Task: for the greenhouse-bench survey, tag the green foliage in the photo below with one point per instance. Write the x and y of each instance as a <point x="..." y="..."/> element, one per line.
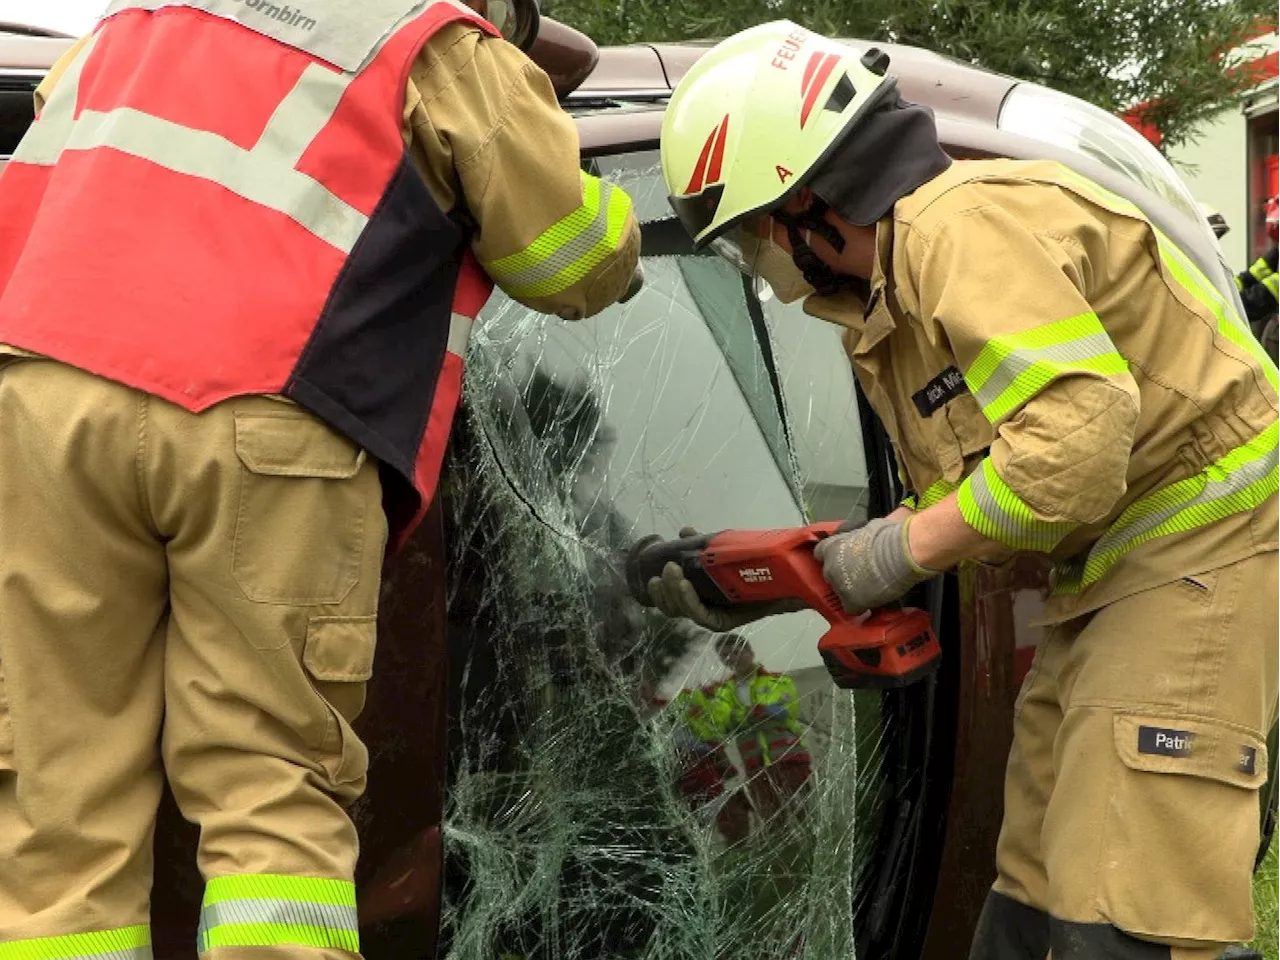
<point x="1114" y="53"/>
<point x="1266" y="892"/>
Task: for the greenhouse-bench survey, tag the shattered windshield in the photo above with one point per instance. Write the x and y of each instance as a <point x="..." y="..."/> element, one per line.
<point x="622" y="785"/>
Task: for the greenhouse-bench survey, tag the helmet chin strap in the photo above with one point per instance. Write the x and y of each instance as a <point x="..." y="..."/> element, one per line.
<point x="817" y="274"/>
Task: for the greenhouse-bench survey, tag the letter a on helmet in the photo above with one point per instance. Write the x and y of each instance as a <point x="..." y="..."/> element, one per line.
<point x="755" y="117"/>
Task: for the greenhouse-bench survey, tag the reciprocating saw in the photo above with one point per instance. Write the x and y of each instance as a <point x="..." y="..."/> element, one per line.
<point x="886" y="648"/>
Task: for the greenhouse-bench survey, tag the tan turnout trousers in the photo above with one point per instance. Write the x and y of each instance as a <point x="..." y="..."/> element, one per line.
<point x="1131" y="812"/>
<point x="201" y="588"/>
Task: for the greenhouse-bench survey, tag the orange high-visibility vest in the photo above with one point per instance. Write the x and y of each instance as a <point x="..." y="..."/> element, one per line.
<point x="217" y="200"/>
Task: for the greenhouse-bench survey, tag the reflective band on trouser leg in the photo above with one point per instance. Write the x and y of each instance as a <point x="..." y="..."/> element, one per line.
<point x="567" y="250"/>
<point x="1012" y="369"/>
<point x="991" y="507"/>
<point x="123" y="943"/>
<point x="1237" y="482"/>
<point x="266" y="910"/>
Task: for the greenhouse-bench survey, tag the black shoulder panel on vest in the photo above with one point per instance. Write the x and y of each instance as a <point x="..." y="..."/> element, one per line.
<point x="373" y="361"/>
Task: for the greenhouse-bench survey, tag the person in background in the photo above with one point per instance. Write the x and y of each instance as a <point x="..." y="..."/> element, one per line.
<point x="1260" y="286"/>
<point x="764" y="717"/>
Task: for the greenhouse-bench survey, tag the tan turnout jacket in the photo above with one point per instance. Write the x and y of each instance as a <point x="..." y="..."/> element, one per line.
<point x="1032" y="342"/>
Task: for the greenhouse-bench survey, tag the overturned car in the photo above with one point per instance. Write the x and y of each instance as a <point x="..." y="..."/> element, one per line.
<point x="559" y="773"/>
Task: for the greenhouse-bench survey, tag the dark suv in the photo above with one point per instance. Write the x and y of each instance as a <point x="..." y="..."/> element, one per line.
<point x="561" y="774"/>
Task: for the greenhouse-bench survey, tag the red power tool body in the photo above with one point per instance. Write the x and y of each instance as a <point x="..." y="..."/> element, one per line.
<point x="886" y="648"/>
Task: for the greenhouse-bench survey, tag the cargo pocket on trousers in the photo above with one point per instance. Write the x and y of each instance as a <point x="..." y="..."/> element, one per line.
<point x="338" y="658"/>
<point x="300" y="525"/>
<point x="1182" y="829"/>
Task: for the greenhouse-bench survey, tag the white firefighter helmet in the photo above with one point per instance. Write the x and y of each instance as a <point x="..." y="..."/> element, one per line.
<point x="754" y="118"/>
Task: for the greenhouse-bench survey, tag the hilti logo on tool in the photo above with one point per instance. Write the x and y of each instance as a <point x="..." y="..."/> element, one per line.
<point x="816" y="72"/>
<point x="755" y="574"/>
<point x="707" y="172"/>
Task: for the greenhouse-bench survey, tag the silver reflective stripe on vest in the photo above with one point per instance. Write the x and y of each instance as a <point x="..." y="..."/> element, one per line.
<point x="46" y="137"/>
<point x="459" y="334"/>
<point x="257" y="175"/>
<point x="302" y="114"/>
<point x="346" y="33"/>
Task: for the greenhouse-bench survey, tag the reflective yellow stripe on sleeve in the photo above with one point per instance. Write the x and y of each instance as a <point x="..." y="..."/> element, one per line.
<point x="936" y="492"/>
<point x="1187" y="275"/>
<point x="569" y="249"/>
<point x="990" y="506"/>
<point x="122" y="943"/>
<point x="1239" y="481"/>
<point x="1012" y="369"/>
<point x="268" y="910"/>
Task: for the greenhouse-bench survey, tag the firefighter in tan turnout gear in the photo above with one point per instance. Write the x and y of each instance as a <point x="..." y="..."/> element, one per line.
<point x="1056" y="376"/>
<point x="242" y="250"/>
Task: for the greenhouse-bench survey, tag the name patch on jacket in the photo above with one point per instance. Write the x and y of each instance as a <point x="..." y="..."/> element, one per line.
<point x="1164" y="742"/>
<point x="1248" y="760"/>
<point x="947" y="385"/>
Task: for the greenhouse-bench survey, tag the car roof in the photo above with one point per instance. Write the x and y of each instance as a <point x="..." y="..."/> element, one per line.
<point x="640" y="72"/>
<point x="27" y="49"/>
<point x="633" y="82"/>
<point x="950" y="87"/>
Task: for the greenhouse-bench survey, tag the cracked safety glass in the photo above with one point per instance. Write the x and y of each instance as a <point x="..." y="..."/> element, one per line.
<point x="623" y="785"/>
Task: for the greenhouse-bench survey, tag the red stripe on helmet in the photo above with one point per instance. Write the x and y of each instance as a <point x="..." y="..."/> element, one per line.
<point x="717" y="155"/>
<point x="814" y="59"/>
<point x="700" y="171"/>
<point x="712" y="157"/>
<point x="811" y="96"/>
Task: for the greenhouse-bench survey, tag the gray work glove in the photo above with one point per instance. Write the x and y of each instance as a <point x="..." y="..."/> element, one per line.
<point x="674" y="595"/>
<point x="871" y="566"/>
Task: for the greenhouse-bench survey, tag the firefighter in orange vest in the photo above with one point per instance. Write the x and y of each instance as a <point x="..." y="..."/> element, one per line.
<point x="243" y="246"/>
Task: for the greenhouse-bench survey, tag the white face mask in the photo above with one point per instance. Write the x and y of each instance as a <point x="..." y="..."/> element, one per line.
<point x="772" y="264"/>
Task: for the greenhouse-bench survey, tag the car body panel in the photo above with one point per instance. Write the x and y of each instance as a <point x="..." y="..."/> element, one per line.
<point x="574" y="438"/>
<point x="949" y="87"/>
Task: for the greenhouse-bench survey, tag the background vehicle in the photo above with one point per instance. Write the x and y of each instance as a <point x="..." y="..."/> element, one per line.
<point x="572" y="829"/>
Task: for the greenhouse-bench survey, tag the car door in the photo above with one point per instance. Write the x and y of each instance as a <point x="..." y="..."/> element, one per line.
<point x="17" y="107"/>
<point x="606" y="788"/>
